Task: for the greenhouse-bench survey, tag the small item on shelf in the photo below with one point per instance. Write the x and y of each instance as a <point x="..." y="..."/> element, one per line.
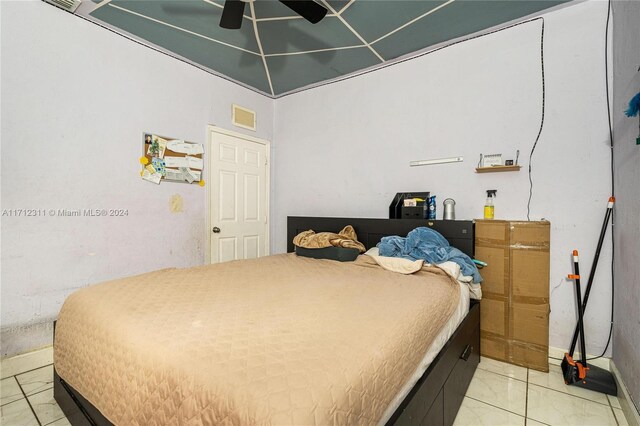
<point x="449" y="211"/>
<point x="495" y="163"/>
<point x="397" y="209"/>
<point x="488" y="205"/>
<point x="414" y="208"/>
<point x="491" y="160"/>
<point x="431" y="215"/>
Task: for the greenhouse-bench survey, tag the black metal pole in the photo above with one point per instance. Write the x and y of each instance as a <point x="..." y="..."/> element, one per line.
<point x="583" y="346"/>
<point x="594" y="265"/>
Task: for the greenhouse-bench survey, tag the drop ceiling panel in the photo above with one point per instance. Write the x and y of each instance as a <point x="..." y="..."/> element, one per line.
<point x="373" y="19"/>
<point x="245" y="67"/>
<point x="290" y="72"/>
<point x="299" y="35"/>
<point x="194" y="15"/>
<point x="457" y="19"/>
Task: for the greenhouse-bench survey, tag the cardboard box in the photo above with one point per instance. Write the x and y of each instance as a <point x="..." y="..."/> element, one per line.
<point x="514" y="322"/>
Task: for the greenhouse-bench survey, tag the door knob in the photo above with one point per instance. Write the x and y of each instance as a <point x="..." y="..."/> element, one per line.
<point x="216" y="230"/>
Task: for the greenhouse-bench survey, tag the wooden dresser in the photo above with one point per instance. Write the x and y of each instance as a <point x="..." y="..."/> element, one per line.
<point x="514" y="321"/>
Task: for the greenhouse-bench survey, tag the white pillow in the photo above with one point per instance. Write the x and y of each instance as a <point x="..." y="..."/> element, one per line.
<point x="373" y="251"/>
<point x="395" y="264"/>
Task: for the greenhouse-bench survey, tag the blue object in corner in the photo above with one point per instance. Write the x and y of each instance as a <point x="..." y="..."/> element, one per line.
<point x="634" y="106"/>
<point x="429" y="245"/>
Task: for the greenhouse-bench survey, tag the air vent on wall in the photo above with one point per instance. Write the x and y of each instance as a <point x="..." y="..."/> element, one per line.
<point x="69" y="5"/>
<point x="244" y="118"/>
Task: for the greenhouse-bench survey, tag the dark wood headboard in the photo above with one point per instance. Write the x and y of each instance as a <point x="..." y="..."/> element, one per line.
<point x="459" y="233"/>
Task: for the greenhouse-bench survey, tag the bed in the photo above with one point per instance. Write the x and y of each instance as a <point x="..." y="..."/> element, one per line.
<point x="137" y="373"/>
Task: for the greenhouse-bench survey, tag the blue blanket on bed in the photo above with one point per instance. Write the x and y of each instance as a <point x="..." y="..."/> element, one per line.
<point x="427" y="244"/>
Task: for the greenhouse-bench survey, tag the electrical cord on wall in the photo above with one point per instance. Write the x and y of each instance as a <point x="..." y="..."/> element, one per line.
<point x="613" y="212"/>
<point x="606" y="74"/>
<point x="533" y="148"/>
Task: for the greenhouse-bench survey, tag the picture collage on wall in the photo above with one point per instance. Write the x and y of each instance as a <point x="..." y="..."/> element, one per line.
<point x="172" y="160"/>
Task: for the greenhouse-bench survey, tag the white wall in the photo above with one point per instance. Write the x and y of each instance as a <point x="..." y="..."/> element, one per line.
<point x="75" y="101"/>
<point x="626" y="78"/>
<point x="344" y="149"/>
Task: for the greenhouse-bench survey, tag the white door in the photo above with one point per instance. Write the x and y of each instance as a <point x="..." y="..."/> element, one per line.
<point x="239" y="197"/>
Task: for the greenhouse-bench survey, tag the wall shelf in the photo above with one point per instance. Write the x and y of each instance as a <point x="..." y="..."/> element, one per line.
<point x="494" y="169"/>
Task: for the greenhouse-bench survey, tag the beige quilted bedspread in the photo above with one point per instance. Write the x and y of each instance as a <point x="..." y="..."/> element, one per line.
<point x="276" y="340"/>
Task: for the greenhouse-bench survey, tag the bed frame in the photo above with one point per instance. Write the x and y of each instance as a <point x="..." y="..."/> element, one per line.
<point x="436" y="397"/>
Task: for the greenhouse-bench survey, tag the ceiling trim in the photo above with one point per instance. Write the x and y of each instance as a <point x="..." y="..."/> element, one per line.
<point x="279" y="18"/>
<point x="346" y="6"/>
<point x="185" y="30"/>
<point x="264" y="59"/>
<point x="102" y="3"/>
<point x="268" y="55"/>
<point x="412" y="21"/>
<point x="346" y="24"/>
<point x="286" y="18"/>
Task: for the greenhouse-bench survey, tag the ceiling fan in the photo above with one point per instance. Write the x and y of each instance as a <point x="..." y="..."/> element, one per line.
<point x="234" y="9"/>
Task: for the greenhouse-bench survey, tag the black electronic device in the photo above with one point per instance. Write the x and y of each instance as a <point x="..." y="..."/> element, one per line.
<point x="397" y="209"/>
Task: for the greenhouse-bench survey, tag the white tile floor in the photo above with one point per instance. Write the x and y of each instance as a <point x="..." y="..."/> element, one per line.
<point x="505" y="394"/>
<point x="26" y="390"/>
<point x="499" y="394"/>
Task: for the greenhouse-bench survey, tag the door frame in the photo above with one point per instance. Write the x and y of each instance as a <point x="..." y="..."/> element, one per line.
<point x="215" y="129"/>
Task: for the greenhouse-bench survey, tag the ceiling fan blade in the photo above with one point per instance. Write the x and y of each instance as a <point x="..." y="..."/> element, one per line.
<point x="308" y="9"/>
<point x="232" y="14"/>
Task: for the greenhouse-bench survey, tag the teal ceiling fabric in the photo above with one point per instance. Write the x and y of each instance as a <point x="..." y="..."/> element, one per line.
<point x="276" y="51"/>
